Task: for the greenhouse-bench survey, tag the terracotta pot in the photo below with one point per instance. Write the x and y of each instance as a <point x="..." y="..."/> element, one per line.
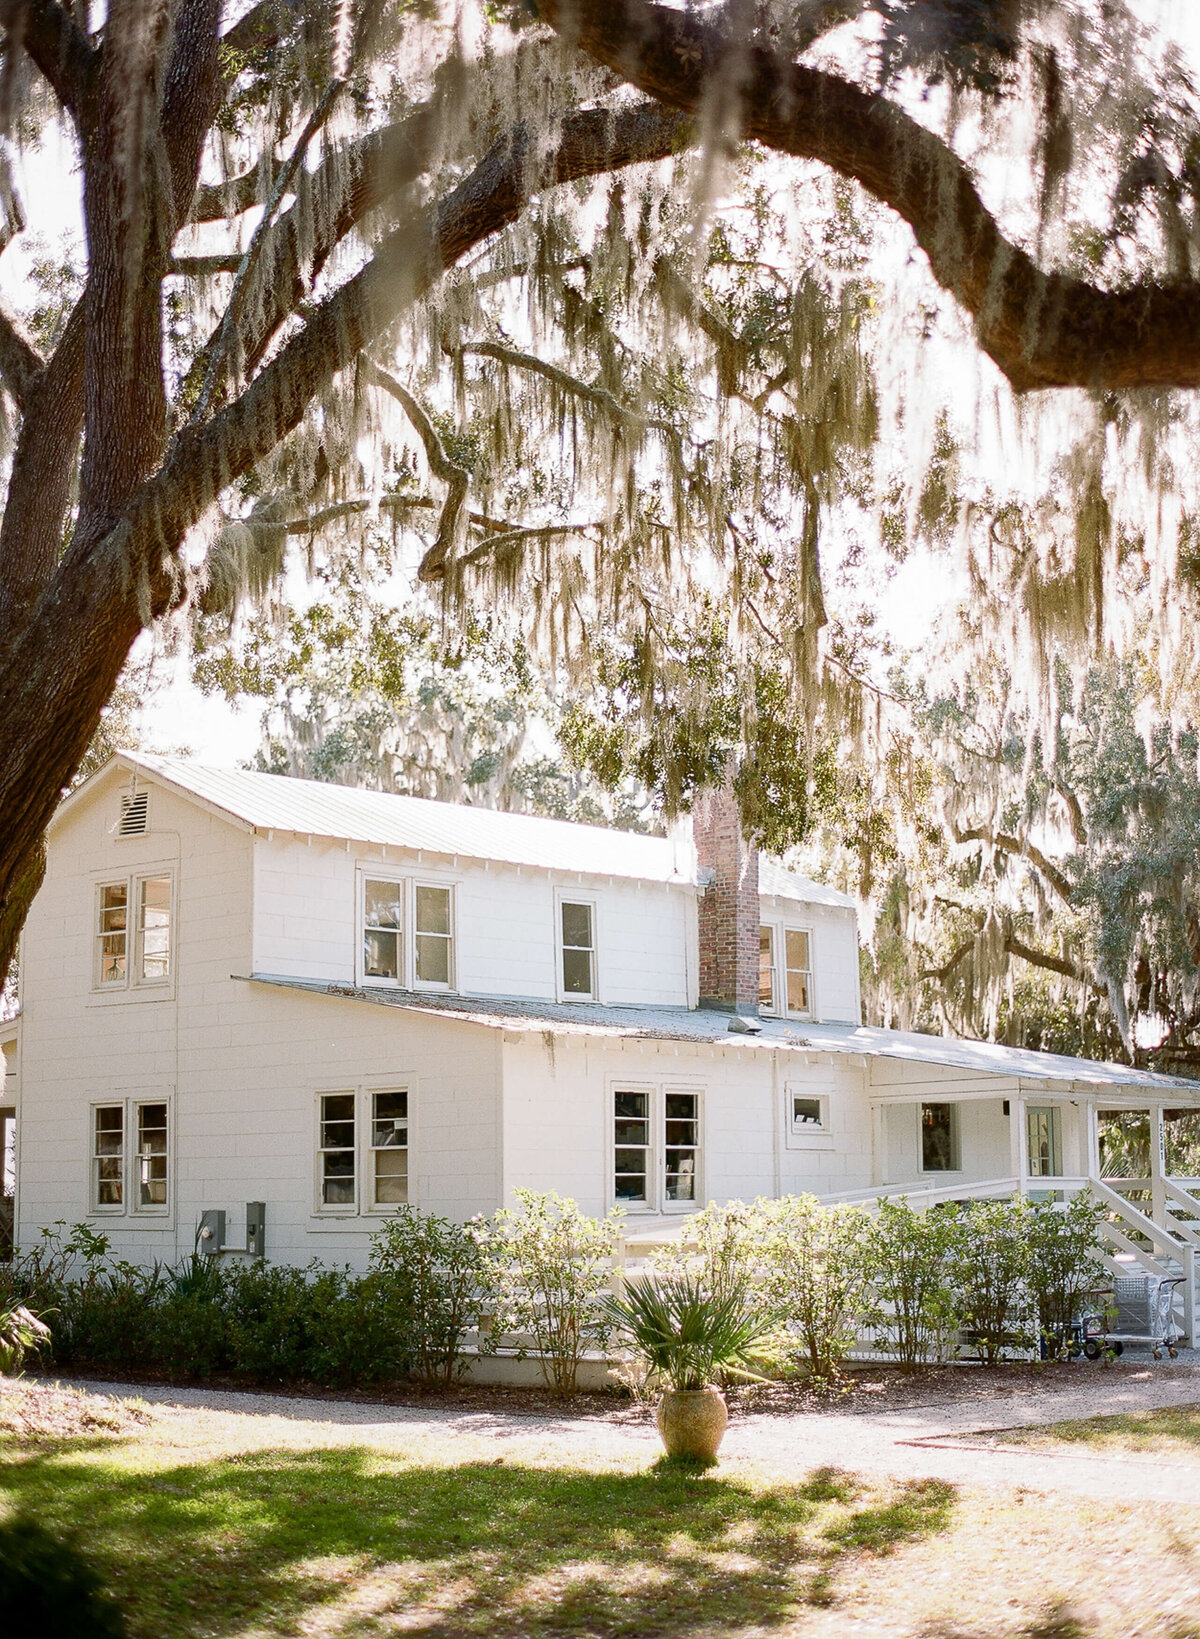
<point x="692" y="1422"/>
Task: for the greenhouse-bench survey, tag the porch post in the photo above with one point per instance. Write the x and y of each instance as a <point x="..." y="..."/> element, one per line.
<point x="1158" y="1165"/>
<point x="1018" y="1139"/>
<point x="1091" y="1117"/>
<point x="879" y="1167"/>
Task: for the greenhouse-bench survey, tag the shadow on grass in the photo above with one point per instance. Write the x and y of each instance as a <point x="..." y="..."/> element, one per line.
<point x="499" y="1549"/>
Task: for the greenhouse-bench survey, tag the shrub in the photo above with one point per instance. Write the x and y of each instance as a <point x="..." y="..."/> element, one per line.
<point x="990" y="1269"/>
<point x="818" y="1267"/>
<point x="722" y="1249"/>
<point x="548" y="1268"/>
<point x="687" y="1338"/>
<point x="22" y="1333"/>
<point x="435" y="1269"/>
<point x="47" y="1588"/>
<point x="912" y="1255"/>
<point x="1064" y="1262"/>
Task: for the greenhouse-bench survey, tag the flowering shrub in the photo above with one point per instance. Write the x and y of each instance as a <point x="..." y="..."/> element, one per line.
<point x="818" y="1277"/>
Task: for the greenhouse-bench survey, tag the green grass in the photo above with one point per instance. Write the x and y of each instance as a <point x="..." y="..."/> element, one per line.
<point x="1172" y="1431"/>
<point x="345" y="1540"/>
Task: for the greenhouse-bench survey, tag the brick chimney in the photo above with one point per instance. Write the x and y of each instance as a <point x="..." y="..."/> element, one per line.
<point x="729" y="909"/>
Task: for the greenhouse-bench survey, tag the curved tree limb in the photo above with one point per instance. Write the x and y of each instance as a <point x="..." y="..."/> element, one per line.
<point x="1006" y="844"/>
<point x="1041" y="329"/>
<point x="55" y="43"/>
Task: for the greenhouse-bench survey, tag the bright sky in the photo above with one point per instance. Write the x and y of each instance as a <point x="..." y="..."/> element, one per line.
<point x="178" y="715"/>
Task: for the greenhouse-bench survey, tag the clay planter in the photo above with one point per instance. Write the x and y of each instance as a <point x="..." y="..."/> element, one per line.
<point x="692" y="1423"/>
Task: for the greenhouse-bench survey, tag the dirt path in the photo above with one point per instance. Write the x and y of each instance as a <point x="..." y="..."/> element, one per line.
<point x="916" y="1441"/>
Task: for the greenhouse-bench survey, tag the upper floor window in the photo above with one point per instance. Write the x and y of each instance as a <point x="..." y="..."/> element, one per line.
<point x="383" y="921"/>
<point x="577" y="927"/>
<point x="133" y="932"/>
<point x="434" y="939"/>
<point x="766" y="969"/>
<point x="798" y="956"/>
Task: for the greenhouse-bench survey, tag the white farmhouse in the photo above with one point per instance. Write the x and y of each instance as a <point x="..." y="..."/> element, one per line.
<point x="273" y="1009"/>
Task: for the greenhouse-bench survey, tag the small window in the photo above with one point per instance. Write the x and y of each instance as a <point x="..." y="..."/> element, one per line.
<point x="1045" y="1148"/>
<point x="382" y="923"/>
<point x="682" y="1112"/>
<point x="578" y="949"/>
<point x="631" y="1170"/>
<point x="152" y="1157"/>
<point x="108" y="1157"/>
<point x="113" y="934"/>
<point x="939" y="1138"/>
<point x="154" y="929"/>
<point x="797" y="950"/>
<point x="389" y="1148"/>
<point x="337" y="1150"/>
<point x="808" y="1114"/>
<point x="434" y="938"/>
<point x="766" y="969"/>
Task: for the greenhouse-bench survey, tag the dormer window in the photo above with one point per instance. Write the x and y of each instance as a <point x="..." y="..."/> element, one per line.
<point x="577" y="952"/>
<point x="766" y="970"/>
<point x="433" y="927"/>
<point x="797" y="947"/>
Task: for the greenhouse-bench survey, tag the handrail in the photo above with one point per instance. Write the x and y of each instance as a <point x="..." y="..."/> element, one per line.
<point x="1154" y="1233"/>
<point x="919" y="1197"/>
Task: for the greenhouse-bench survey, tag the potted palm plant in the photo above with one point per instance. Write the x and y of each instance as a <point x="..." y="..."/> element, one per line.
<point x="690" y="1342"/>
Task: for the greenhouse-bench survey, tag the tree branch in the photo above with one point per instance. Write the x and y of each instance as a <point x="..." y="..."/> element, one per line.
<point x="57" y="46"/>
<point x="1005" y="844"/>
<point x="20" y="362"/>
<point x="1041" y="329"/>
<point x="600" y="397"/>
<point x="456" y="479"/>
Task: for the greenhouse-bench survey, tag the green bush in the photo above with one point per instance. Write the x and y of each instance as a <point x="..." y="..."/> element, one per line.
<point x="549" y="1267"/>
<point x="1064" y="1262"/>
<point x="990" y="1265"/>
<point x="913" y="1256"/>
<point x="818" y="1277"/>
<point x="436" y="1270"/>
<point x="721" y="1249"/>
<point x="48" y="1589"/>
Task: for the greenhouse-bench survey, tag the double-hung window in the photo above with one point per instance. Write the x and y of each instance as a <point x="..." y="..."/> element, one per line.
<point x="577" y="930"/>
<point x="656" y="1147"/>
<point x="337" y="1151"/>
<point x="389" y="1149"/>
<point x="766" y="969"/>
<point x="133" y="932"/>
<point x="785" y="980"/>
<point x="131" y="1156"/>
<point x="383" y="926"/>
<point x="433" y="929"/>
<point x="797" y="950"/>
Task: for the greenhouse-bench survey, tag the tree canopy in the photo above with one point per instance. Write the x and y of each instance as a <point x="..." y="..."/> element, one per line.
<point x="610" y="313"/>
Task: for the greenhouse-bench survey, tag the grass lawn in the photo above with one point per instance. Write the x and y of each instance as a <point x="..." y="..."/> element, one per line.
<point x="207" y="1523"/>
<point x="1172" y="1432"/>
<point x="347" y="1539"/>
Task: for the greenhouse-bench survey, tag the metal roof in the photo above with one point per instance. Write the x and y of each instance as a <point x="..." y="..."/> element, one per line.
<point x="774" y="878"/>
<point x="708" y="1026"/>
<point x="276" y="802"/>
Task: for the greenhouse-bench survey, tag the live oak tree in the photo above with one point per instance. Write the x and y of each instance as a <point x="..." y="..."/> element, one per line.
<point x="273" y="194"/>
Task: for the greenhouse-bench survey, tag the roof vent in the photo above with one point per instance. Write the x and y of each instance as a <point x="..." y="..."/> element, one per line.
<point x="133" y="814"/>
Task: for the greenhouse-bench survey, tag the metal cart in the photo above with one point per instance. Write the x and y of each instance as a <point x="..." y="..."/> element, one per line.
<point x="1140" y="1309"/>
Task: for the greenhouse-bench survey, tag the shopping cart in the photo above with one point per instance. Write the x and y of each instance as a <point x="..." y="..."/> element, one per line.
<point x="1139" y="1309"/>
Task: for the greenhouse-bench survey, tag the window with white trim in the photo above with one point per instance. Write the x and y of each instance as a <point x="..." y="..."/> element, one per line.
<point x="383" y="929"/>
<point x="151" y="1157"/>
<point x="577" y="934"/>
<point x="389" y="1148"/>
<point x="133" y="932"/>
<point x="656" y="1147"/>
<point x="797" y="951"/>
<point x="433" y="933"/>
<point x="108" y="1158"/>
<point x="810" y="1114"/>
<point x="766" y="969"/>
<point x="131" y="1156"/>
<point x="337" y="1151"/>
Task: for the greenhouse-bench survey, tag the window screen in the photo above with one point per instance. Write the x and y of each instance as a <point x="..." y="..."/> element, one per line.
<point x="434" y="939"/>
<point x="381" y="929"/>
<point x="337" y="1149"/>
<point x="389" y="1148"/>
<point x="578" y="950"/>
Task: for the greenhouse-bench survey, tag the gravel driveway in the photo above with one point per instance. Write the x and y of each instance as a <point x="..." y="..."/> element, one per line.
<point x="939" y="1440"/>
